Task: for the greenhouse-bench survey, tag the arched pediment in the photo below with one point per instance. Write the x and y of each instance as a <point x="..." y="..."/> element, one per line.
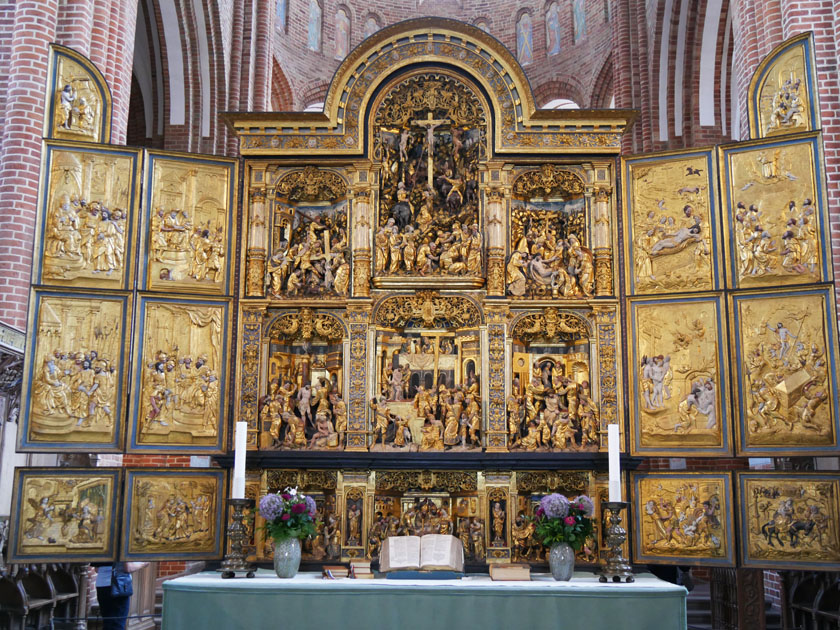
<point x="550" y="324"/>
<point x="305" y="325"/>
<point x="434" y="42"/>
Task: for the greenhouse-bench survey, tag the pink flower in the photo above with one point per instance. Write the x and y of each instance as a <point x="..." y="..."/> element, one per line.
<point x="569" y="520"/>
<point x="299" y="508"/>
<point x="286" y="496"/>
<point x="539" y="512"/>
<point x="286" y="517"/>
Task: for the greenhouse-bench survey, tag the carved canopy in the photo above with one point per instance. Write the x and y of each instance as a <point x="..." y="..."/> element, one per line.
<point x="551" y="324"/>
<point x="305" y="325"/>
<point x="311" y="184"/>
<point x="547" y="181"/>
<point x="427" y="309"/>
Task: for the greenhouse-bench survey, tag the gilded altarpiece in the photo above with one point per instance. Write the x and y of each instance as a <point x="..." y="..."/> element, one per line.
<point x="427" y="284"/>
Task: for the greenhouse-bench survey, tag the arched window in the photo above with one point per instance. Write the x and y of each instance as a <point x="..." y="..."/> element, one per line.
<point x="524" y="40"/>
<point x="579" y="10"/>
<point x="561" y="103"/>
<point x="280" y="12"/>
<point x="552" y="29"/>
<point x="371" y="25"/>
<point x="483" y="24"/>
<point x="314" y="28"/>
<point x="342" y="34"/>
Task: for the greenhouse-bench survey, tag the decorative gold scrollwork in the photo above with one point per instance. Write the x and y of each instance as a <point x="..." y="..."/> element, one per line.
<point x="405" y="480"/>
<point x="306" y="324"/>
<point x="433" y="93"/>
<point x="548" y="181"/>
<point x="545" y="481"/>
<point x="551" y="324"/>
<point x="311" y="184"/>
<point x="427" y="309"/>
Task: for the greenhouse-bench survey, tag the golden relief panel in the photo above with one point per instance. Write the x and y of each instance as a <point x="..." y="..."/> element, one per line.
<point x="683" y="518"/>
<point x="310" y="253"/>
<point x="789" y="521"/>
<point x="679" y="376"/>
<point x="80" y="107"/>
<point x="66" y="514"/>
<point x="785" y="355"/>
<point x="180" y="365"/>
<point x="88" y="214"/>
<point x="549" y="256"/>
<point x="551" y="406"/>
<point x="783" y="98"/>
<point x="172" y="514"/>
<point x="75" y="376"/>
<point x="775" y="212"/>
<point x="188" y="231"/>
<point x="430" y="140"/>
<point x="304" y="408"/>
<point x="672" y="235"/>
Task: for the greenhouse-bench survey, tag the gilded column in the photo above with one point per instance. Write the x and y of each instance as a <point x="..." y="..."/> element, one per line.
<point x="356" y="399"/>
<point x="495" y="213"/>
<point x="601" y="242"/>
<point x="361" y="242"/>
<point x="605" y="324"/>
<point x="256" y="252"/>
<point x="251" y="338"/>
<point x="496" y="421"/>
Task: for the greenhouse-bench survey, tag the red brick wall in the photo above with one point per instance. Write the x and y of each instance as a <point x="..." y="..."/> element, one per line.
<point x="576" y="67"/>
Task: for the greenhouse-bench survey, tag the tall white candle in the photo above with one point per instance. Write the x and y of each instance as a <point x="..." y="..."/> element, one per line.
<point x="240" y="446"/>
<point x="614" y="445"/>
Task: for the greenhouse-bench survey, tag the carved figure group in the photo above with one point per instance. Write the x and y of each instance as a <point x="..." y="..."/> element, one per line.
<point x="84" y="237"/>
<point x="178" y="389"/>
<point x="685" y="520"/>
<point x="314" y="260"/>
<point x="78" y="385"/>
<point x="555" y="413"/>
<point x="168" y="516"/>
<point x="429" y="190"/>
<point x="548" y="260"/>
<point x="788" y="109"/>
<point x="304" y="417"/>
<point x="423" y="517"/>
<point x="187" y="250"/>
<point x="782" y="242"/>
<point x="75" y="111"/>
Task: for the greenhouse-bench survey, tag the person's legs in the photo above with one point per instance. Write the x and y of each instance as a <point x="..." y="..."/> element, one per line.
<point x="114" y="610"/>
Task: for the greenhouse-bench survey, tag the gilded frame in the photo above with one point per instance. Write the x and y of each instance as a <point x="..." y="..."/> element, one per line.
<point x="218" y="368"/>
<point x="182" y="486"/>
<point x="686" y="195"/>
<point x="768" y="155"/>
<point x="76" y="479"/>
<point x="804" y="43"/>
<point x="58" y="54"/>
<point x="51" y="153"/>
<point x="722" y="512"/>
<point x="739" y="356"/>
<point x="152" y="187"/>
<point x="65" y="300"/>
<point x="793" y="520"/>
<point x="720" y="381"/>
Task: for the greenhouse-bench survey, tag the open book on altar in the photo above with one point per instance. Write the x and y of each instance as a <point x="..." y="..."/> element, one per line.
<point x="432" y="552"/>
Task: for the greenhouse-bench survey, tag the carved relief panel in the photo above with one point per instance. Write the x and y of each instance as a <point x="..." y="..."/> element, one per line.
<point x="189" y="231"/>
<point x="79" y="101"/>
<point x="430" y="140"/>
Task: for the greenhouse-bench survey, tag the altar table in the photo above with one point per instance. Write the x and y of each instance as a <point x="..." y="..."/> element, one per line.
<point x="206" y="602"/>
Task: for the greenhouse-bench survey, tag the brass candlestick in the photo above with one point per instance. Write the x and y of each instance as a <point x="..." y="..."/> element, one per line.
<point x="236" y="561"/>
<point x="616" y="567"/>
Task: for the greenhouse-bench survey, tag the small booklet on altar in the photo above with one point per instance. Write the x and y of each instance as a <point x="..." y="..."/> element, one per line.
<point x="432" y="552"/>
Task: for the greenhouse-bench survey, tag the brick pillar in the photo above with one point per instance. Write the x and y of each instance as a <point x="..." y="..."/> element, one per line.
<point x="34" y="29"/>
<point x="237" y="22"/>
<point x="75" y="24"/>
<point x="123" y="26"/>
<point x="264" y="55"/>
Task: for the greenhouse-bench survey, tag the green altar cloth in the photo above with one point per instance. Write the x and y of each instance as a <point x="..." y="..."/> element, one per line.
<point x="206" y="602"/>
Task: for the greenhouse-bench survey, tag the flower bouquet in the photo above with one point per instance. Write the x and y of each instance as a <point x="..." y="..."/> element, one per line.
<point x="563" y="525"/>
<point x="289" y="517"/>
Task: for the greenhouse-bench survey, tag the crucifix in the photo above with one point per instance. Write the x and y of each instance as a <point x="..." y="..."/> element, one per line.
<point x="430" y="124"/>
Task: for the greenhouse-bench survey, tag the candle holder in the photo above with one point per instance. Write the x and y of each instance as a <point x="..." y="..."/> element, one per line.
<point x="236" y="561"/>
<point x="616" y="568"/>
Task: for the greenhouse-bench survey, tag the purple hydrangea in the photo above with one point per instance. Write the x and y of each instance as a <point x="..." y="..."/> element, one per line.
<point x="311" y="507"/>
<point x="586" y="505"/>
<point x="555" y="505"/>
<point x="271" y="506"/>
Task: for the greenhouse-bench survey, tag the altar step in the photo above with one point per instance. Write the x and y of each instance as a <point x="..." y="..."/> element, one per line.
<point x="699" y="611"/>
